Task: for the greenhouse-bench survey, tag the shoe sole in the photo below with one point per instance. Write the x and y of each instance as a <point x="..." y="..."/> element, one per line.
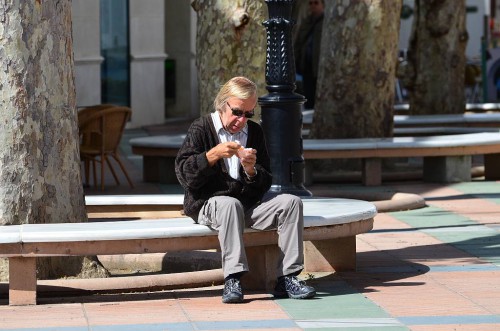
<point x="233" y="300"/>
<point x="291" y="296"/>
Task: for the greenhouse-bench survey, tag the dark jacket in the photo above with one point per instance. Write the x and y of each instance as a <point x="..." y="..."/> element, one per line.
<point x="201" y="182"/>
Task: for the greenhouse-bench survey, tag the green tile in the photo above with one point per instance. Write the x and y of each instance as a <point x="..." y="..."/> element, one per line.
<point x="463" y="233"/>
<point x="432" y="217"/>
<point x="488" y="190"/>
<point x="335" y="299"/>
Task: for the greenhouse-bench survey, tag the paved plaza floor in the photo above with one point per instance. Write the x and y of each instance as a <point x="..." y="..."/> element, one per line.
<point x="429" y="269"/>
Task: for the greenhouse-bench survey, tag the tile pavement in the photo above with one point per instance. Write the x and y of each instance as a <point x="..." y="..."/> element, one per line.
<point x="430" y="269"/>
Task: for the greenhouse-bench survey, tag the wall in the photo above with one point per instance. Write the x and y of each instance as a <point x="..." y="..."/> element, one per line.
<point x="180" y="45"/>
<point x="147" y="56"/>
<point x="147" y="52"/>
<point x="87" y="53"/>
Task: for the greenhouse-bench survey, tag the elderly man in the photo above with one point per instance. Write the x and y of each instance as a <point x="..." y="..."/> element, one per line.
<point x="224" y="168"/>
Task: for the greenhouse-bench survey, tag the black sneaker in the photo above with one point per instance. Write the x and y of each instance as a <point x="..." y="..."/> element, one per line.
<point x="294" y="288"/>
<point x="232" y="291"/>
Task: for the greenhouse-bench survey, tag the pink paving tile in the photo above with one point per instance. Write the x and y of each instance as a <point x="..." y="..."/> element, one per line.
<point x="480" y="287"/>
<point x="481" y="211"/>
<point x="420" y="295"/>
<point x="135" y="312"/>
<point x="44" y="315"/>
<point x="456" y="327"/>
<point x="256" y="307"/>
<point x="414" y="246"/>
<point x="384" y="221"/>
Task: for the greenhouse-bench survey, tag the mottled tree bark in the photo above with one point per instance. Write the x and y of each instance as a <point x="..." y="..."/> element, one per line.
<point x="355" y="89"/>
<point x="40" y="178"/>
<point x="434" y="73"/>
<point x="230" y="41"/>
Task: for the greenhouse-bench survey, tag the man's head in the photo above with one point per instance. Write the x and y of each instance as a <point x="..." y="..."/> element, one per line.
<point x="316" y="7"/>
<point x="236" y="102"/>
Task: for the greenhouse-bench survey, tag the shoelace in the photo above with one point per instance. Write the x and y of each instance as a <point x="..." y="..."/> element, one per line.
<point x="294" y="283"/>
<point x="232" y="284"/>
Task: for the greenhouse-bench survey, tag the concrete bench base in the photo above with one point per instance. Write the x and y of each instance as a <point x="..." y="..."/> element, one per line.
<point x="329" y="225"/>
<point x="450" y="169"/>
<point x="158" y="154"/>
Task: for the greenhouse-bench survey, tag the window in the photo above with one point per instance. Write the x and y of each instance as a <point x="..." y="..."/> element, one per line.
<point x="115" y="69"/>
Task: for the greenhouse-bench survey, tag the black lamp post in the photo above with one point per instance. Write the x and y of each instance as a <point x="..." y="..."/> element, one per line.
<point x="281" y="108"/>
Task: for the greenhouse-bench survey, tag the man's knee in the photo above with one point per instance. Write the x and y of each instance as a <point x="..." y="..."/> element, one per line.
<point x="230" y="211"/>
<point x="229" y="203"/>
<point x="291" y="201"/>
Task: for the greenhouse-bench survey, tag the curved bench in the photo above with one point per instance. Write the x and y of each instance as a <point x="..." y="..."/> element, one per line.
<point x="158" y="156"/>
<point x="329" y="234"/>
<point x="469" y="107"/>
<point x="436" y="124"/>
<point x="143" y="206"/>
<point x="462" y="120"/>
<point x="441" y="130"/>
<point x="447" y="158"/>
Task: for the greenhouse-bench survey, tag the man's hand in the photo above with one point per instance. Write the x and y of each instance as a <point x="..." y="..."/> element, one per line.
<point x="221" y="151"/>
<point x="248" y="157"/>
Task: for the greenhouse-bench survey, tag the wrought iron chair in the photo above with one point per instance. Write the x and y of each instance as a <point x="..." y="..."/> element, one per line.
<point x="100" y="133"/>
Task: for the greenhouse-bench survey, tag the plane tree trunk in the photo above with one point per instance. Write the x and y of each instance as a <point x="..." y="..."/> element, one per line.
<point x="230" y="41"/>
<point x="435" y="70"/>
<point x="355" y="89"/>
<point x="40" y="178"/>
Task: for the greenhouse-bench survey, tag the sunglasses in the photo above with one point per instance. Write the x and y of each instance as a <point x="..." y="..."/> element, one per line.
<point x="240" y="113"/>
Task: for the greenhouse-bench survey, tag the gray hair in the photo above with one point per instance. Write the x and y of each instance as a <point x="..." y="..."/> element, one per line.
<point x="238" y="87"/>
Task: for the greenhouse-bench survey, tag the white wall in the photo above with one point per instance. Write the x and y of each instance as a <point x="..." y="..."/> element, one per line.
<point x="147" y="53"/>
<point x="147" y="67"/>
<point x="180" y="45"/>
<point x="87" y="53"/>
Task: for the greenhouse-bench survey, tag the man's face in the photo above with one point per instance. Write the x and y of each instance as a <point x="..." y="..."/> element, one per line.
<point x="234" y="112"/>
<point x="316" y="7"/>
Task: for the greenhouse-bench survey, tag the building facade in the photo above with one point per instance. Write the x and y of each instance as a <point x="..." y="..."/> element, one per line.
<point x="137" y="53"/>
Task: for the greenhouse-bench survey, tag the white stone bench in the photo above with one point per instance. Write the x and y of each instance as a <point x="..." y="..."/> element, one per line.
<point x="145" y="206"/>
<point x="158" y="155"/>
<point x="469" y="107"/>
<point x="483" y="122"/>
<point x="447" y="158"/>
<point x="330" y="230"/>
<point x="440" y="130"/>
<point x="430" y="131"/>
<point x="462" y="120"/>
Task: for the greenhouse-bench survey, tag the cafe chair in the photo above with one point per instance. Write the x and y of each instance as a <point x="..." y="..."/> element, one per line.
<point x="100" y="133"/>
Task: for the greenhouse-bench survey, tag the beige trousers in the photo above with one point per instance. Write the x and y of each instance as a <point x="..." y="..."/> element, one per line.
<point x="283" y="212"/>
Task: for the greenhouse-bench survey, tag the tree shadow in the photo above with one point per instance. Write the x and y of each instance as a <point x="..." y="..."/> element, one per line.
<point x="468" y="196"/>
<point x="389" y="268"/>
